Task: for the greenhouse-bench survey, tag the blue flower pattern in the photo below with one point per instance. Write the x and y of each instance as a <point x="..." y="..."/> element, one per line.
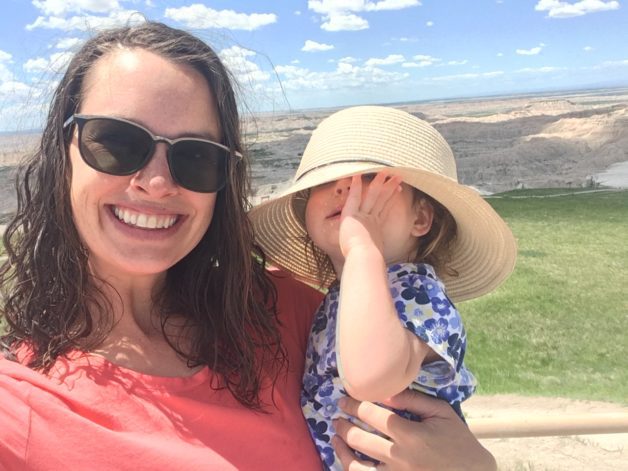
<point x="423" y="308"/>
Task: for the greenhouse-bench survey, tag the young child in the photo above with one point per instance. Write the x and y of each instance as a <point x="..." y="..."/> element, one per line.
<point x="377" y="216"/>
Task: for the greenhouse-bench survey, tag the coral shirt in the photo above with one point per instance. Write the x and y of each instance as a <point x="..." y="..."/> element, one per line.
<point x="90" y="414"/>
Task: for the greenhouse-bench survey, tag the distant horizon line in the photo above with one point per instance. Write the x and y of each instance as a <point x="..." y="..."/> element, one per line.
<point x="592" y="89"/>
<point x="455" y="99"/>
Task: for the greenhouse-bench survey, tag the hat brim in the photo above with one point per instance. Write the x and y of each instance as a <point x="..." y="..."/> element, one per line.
<point x="483" y="254"/>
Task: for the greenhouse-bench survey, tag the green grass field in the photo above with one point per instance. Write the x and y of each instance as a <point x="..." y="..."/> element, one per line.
<point x="559" y="325"/>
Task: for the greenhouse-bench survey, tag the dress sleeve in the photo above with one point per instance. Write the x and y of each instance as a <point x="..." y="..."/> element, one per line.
<point x="425" y="309"/>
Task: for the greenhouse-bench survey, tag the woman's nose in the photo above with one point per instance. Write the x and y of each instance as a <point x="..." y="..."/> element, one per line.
<point x="342" y="186"/>
<point x="155" y="178"/>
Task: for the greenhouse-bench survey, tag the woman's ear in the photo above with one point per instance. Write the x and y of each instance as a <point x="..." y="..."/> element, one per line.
<point x="424" y="217"/>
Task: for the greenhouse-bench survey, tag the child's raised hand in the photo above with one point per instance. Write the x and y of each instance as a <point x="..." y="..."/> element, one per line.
<point x="364" y="213"/>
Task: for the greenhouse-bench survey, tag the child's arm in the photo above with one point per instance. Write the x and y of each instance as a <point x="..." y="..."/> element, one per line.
<point x="378" y="357"/>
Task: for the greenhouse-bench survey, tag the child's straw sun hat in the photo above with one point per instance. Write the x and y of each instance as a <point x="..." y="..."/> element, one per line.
<point x="367" y="139"/>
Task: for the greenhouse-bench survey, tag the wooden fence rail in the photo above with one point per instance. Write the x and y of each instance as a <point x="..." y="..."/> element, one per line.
<point x="584" y="424"/>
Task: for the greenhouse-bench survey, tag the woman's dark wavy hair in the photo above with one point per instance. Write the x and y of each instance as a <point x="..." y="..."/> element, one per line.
<point x="51" y="300"/>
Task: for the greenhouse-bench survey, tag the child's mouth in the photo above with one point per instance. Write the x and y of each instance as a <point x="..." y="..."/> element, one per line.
<point x="335" y="214"/>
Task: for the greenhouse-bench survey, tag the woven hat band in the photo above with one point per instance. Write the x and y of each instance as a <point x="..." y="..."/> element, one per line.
<point x="345" y="161"/>
<point x="386" y="136"/>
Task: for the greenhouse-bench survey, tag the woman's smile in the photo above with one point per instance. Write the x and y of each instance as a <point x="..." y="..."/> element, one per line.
<point x="144" y="221"/>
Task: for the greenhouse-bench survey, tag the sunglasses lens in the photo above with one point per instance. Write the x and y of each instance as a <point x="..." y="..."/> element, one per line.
<point x="199" y="166"/>
<point x="114" y="147"/>
<point x="120" y="148"/>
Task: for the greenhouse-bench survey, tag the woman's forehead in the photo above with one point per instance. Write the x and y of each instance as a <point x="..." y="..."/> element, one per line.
<point x="167" y="97"/>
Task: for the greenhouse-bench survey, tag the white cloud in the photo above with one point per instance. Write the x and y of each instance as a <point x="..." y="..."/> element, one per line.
<point x="429" y="24"/>
<point x="605" y="64"/>
<point x="348" y="59"/>
<point x="346" y="68"/>
<point x="448" y="78"/>
<point x="391" y="5"/>
<point x="60" y="60"/>
<point x="389" y="60"/>
<point x="297" y="12"/>
<point x="332" y="6"/>
<point x="22" y="107"/>
<point x="12" y="88"/>
<point x="5" y="56"/>
<point x="346" y="75"/>
<point x="587" y="48"/>
<point x="35" y="65"/>
<point x="421" y="60"/>
<point x="461" y="62"/>
<point x="245" y="71"/>
<point x="344" y="22"/>
<point x="68" y="43"/>
<point x="542" y="70"/>
<point x="313" y="46"/>
<point x="500" y="54"/>
<point x="425" y="57"/>
<point x="62" y="7"/>
<point x="560" y="9"/>
<point x="87" y="22"/>
<point x="531" y="52"/>
<point x="496" y="74"/>
<point x="295" y="61"/>
<point x="5" y="74"/>
<point x="200" y="16"/>
<point x="339" y="15"/>
<point x="289" y="70"/>
<point x="56" y="63"/>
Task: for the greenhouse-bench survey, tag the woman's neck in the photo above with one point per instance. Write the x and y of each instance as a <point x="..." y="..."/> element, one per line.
<point x="137" y="339"/>
<point x="151" y="356"/>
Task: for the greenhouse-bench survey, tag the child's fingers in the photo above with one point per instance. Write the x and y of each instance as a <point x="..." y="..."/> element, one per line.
<point x="380" y="193"/>
<point x="390" y="188"/>
<point x="374" y="188"/>
<point x="354" y="197"/>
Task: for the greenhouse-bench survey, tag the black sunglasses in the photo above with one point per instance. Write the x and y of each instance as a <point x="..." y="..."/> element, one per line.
<point x="119" y="147"/>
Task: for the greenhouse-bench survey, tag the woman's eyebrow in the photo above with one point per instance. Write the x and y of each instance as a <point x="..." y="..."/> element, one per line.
<point x="197" y="135"/>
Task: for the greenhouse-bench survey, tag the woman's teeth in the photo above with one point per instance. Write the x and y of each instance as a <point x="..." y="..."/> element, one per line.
<point x="144" y="221"/>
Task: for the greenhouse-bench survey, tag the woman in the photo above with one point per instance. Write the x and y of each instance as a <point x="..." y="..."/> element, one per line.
<point x="141" y="332"/>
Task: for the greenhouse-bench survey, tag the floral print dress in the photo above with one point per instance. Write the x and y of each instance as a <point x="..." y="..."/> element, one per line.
<point x="424" y="308"/>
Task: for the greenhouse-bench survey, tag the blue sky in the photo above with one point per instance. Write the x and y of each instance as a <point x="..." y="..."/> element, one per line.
<point x="321" y="53"/>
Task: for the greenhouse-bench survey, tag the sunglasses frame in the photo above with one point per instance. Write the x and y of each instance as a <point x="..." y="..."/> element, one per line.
<point x="81" y="119"/>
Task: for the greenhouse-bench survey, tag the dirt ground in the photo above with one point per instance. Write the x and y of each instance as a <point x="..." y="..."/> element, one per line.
<point x="584" y="452"/>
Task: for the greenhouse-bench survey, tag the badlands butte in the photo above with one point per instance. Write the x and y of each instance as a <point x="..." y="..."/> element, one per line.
<point x="500" y="144"/>
<point x="562" y="140"/>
